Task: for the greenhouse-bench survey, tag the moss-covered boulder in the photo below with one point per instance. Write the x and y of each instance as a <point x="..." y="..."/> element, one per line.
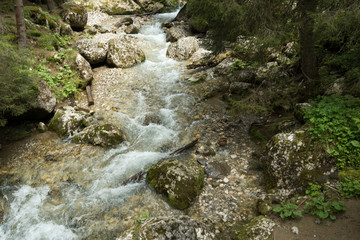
<point x="36" y="15"/>
<point x="123" y="52"/>
<point x="105" y="135"/>
<point x="68" y="121"/>
<point x="293" y="160"/>
<point x="259" y="228"/>
<point x="75" y="15"/>
<point x="180" y="182"/>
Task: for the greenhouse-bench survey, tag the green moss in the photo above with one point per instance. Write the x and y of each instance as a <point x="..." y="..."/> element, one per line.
<point x="55" y="124"/>
<point x="349" y="173"/>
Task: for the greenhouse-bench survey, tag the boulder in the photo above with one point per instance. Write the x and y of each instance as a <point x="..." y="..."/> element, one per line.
<point x="117" y="7"/>
<point x="240" y="87"/>
<point x="258" y="228"/>
<point x="292" y="160"/>
<point x="150" y="5"/>
<point x="183" y="48"/>
<point x="179" y="227"/>
<point x="245" y="76"/>
<point x="103" y="135"/>
<point x="224" y="67"/>
<point x="124" y="21"/>
<point x="45" y="104"/>
<point x="199" y="59"/>
<point x="299" y="111"/>
<point x="132" y="29"/>
<point x="217" y="169"/>
<point x="84" y="69"/>
<point x="178" y="181"/>
<point x="177" y="32"/>
<point x="68" y="121"/>
<point x="66" y="29"/>
<point x="75" y="15"/>
<point x="92" y="50"/>
<point x="124" y="53"/>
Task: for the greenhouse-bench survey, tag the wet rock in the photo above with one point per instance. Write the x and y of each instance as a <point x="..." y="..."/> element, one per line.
<point x="132" y="29"/>
<point x="124" y="53"/>
<point x="179" y="227"/>
<point x="75" y="15"/>
<point x="151" y="118"/>
<point x="50" y="158"/>
<point x="103" y="135"/>
<point x="206" y="150"/>
<point x="150" y="5"/>
<point x="84" y="69"/>
<point x="42" y="127"/>
<point x="257" y="229"/>
<point x="293" y="160"/>
<point x="124" y="21"/>
<point x="299" y="111"/>
<point x="176" y="32"/>
<point x="183" y="48"/>
<point x="68" y="121"/>
<point x="217" y="169"/>
<point x="92" y="50"/>
<point x="179" y="182"/>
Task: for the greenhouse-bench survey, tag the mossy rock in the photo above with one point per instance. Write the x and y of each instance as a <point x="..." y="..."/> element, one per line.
<point x="179" y="182"/>
<point x="103" y="135"/>
<point x="258" y="228"/>
<point x="38" y="16"/>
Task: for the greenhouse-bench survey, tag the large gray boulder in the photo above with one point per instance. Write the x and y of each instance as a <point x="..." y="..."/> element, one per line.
<point x="150" y="5"/>
<point x="116" y="7"/>
<point x="124" y="53"/>
<point x="183" y="48"/>
<point x="105" y="135"/>
<point x="69" y="121"/>
<point x="180" y="182"/>
<point x="84" y="69"/>
<point x="177" y="32"/>
<point x="293" y="160"/>
<point x="93" y="50"/>
<point x="180" y="228"/>
<point x="75" y="15"/>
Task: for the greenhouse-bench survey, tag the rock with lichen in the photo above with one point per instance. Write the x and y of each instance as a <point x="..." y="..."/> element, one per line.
<point x="179" y="227"/>
<point x="183" y="49"/>
<point x="259" y="228"/>
<point x="75" y="15"/>
<point x="178" y="181"/>
<point x="105" y="135"/>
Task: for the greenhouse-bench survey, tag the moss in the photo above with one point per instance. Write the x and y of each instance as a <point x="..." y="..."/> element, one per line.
<point x="349" y="173"/>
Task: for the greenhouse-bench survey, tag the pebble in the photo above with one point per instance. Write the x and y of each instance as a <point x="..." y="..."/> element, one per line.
<point x="295" y="230"/>
<point x="225" y="180"/>
<point x="233" y="156"/>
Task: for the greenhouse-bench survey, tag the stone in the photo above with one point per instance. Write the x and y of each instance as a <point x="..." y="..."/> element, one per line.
<point x="66" y="29"/>
<point x="240" y="87"/>
<point x="75" y="15"/>
<point x="183" y="48"/>
<point x="151" y="118"/>
<point x="258" y="228"/>
<point x="117" y="7"/>
<point x="85" y="70"/>
<point x="105" y="135"/>
<point x="180" y="227"/>
<point x="292" y="160"/>
<point x="178" y="181"/>
<point x="92" y="50"/>
<point x="217" y="169"/>
<point x="198" y="59"/>
<point x="176" y="32"/>
<point x="150" y="5"/>
<point x="224" y="67"/>
<point x="299" y="111"/>
<point x="264" y="207"/>
<point x="336" y="88"/>
<point x="68" y="121"/>
<point x="42" y="127"/>
<point x="124" y="53"/>
<point x="132" y="29"/>
<point x="50" y="158"/>
<point x="295" y="230"/>
<point x="124" y="21"/>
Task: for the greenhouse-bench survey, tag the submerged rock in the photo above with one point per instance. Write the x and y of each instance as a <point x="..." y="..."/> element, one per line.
<point x="179" y="227"/>
<point x="183" y="48"/>
<point x="293" y="160"/>
<point x="103" y="135"/>
<point x="124" y="53"/>
<point x="180" y="183"/>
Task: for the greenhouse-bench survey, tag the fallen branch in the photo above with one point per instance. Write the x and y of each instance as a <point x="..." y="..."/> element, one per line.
<point x="187" y="146"/>
<point x="89" y="95"/>
<point x="135" y="178"/>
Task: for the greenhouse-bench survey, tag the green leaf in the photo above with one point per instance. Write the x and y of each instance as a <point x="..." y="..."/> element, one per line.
<point x="355" y="143"/>
<point x="278" y="209"/>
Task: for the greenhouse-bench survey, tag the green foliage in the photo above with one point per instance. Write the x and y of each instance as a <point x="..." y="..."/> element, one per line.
<point x="313" y="190"/>
<point x="18" y="84"/>
<point x="7" y="6"/>
<point x="64" y="82"/>
<point x="288" y="210"/>
<point x="335" y="121"/>
<point x="53" y="41"/>
<point x="143" y="217"/>
<point x="350" y="188"/>
<point x="317" y="206"/>
<point x="238" y="64"/>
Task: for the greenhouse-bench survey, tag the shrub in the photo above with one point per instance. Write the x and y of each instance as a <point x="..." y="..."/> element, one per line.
<point x="288" y="210"/>
<point x="350" y="188"/>
<point x="18" y="84"/>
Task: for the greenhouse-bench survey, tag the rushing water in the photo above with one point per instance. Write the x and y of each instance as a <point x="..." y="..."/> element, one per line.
<point x="95" y="202"/>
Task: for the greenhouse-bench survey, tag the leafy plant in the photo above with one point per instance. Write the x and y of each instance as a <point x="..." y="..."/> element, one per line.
<point x="143" y="216"/>
<point x="288" y="210"/>
<point x="313" y="190"/>
<point x="238" y="64"/>
<point x="335" y="121"/>
<point x="350" y="188"/>
<point x="317" y="206"/>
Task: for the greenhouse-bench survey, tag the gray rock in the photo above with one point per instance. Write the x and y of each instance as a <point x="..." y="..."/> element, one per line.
<point x="151" y="118"/>
<point x="177" y="32"/>
<point x="92" y="50"/>
<point x="131" y="29"/>
<point x="84" y="69"/>
<point x="178" y="181"/>
<point x="183" y="48"/>
<point x="75" y="15"/>
<point x="124" y="21"/>
<point x="150" y="5"/>
<point x="179" y="227"/>
<point x="257" y="229"/>
<point x="66" y="30"/>
<point x="299" y="111"/>
<point x="293" y="160"/>
<point x="45" y="104"/>
<point x="103" y="135"/>
<point x="118" y="7"/>
<point x="124" y="53"/>
<point x="240" y="87"/>
<point x="224" y="67"/>
<point x="217" y="169"/>
<point x="336" y="88"/>
<point x="42" y="127"/>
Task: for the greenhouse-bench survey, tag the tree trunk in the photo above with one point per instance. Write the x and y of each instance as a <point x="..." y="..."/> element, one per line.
<point x="20" y="23"/>
<point x="307" y="51"/>
<point x="51" y="5"/>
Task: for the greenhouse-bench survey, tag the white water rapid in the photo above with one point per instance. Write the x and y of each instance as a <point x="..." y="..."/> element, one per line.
<point x="90" y="202"/>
